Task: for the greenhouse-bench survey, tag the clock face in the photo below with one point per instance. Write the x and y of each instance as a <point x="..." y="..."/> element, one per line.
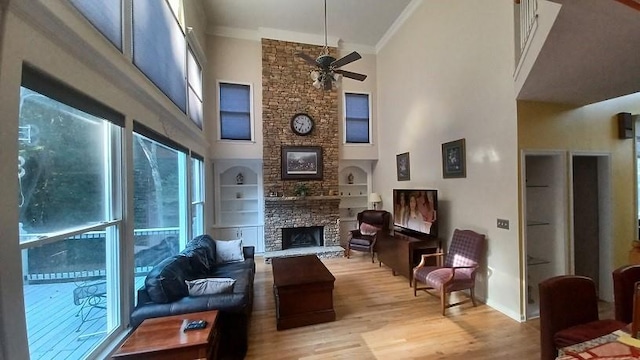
<point x="302" y="124"/>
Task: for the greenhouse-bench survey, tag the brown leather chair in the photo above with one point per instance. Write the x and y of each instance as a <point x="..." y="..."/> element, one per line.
<point x="624" y="279"/>
<point x="379" y="219"/>
<point x="569" y="314"/>
<point x="457" y="271"/>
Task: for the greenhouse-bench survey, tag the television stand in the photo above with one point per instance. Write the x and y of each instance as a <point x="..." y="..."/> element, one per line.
<point x="402" y="252"/>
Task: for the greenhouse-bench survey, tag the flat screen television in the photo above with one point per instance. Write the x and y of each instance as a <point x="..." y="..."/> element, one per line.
<point x="415" y="210"/>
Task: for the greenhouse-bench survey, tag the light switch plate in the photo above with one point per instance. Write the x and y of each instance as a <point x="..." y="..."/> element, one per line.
<point x="503" y="224"/>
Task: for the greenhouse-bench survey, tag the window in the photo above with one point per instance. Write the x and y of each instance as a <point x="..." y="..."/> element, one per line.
<point x="356" y="108"/>
<point x="69" y="217"/>
<point x="159" y="48"/>
<point x="160" y="199"/>
<point x="105" y="15"/>
<point x="197" y="195"/>
<point x="235" y="111"/>
<point x="194" y="77"/>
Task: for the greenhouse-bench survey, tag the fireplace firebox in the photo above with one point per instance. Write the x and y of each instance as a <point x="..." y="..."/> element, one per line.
<point x="299" y="237"/>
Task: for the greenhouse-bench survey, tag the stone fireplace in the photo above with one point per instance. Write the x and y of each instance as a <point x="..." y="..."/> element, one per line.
<point x="282" y="214"/>
<point x="287" y="90"/>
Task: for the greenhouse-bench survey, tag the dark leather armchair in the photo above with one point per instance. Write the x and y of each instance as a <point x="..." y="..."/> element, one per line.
<point x="366" y="241"/>
<point x="569" y="314"/>
<point x="624" y="279"/>
<point x="457" y="271"/>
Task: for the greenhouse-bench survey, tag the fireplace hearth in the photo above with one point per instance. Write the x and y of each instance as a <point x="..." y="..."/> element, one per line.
<point x="299" y="237"/>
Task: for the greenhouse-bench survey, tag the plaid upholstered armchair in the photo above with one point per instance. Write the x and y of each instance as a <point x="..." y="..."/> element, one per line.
<point x="454" y="272"/>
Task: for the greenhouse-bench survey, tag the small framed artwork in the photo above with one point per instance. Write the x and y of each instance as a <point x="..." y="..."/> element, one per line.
<point x="301" y="163"/>
<point x="454" y="160"/>
<point x="403" y="168"/>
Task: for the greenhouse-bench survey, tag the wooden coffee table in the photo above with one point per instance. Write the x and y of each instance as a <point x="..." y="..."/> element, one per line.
<point x="164" y="338"/>
<point x="303" y="290"/>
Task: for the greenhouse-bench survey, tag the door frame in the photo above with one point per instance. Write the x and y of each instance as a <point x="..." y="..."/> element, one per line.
<point x="605" y="285"/>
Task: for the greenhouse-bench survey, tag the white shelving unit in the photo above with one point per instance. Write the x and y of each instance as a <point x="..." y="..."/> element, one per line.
<point x="543" y="215"/>
<point x="239" y="202"/>
<point x="354" y="194"/>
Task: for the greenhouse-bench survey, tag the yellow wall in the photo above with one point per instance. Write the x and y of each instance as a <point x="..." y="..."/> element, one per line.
<point x="591" y="128"/>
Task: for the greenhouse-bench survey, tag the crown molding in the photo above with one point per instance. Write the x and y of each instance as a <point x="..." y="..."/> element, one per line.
<point x="397" y="24"/>
<point x="236" y="33"/>
<point x="362" y="49"/>
<point x="297" y="37"/>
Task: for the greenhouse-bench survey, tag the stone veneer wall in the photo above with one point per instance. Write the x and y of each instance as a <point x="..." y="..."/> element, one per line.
<point x="295" y="212"/>
<point x="287" y="90"/>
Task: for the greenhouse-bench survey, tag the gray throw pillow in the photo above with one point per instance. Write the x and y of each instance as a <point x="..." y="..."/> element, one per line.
<point x="210" y="286"/>
<point x="228" y="251"/>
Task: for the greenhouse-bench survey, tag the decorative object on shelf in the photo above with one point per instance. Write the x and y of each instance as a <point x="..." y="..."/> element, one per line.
<point x="301" y="189"/>
<point x="375" y="199"/>
<point x="238" y="195"/>
<point x="402" y="167"/>
<point x="453" y="159"/>
<point x="239" y="179"/>
<point x="327" y="72"/>
<point x="350" y="178"/>
<point x="350" y="212"/>
<point x="301" y="162"/>
<point x="302" y="124"/>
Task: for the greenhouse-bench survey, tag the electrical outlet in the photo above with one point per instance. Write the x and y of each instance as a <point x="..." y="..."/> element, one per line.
<point x="503" y="224"/>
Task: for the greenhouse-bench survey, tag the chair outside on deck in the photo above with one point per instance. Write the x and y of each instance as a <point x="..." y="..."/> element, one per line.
<point x="569" y="314"/>
<point x="90" y="296"/>
<point x="457" y="271"/>
<point x="370" y="223"/>
<point x="624" y="279"/>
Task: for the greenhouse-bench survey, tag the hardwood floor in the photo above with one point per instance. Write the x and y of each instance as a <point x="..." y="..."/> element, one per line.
<point x="377" y="317"/>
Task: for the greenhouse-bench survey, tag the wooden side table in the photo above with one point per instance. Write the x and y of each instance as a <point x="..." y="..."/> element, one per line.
<point x="164" y="338"/>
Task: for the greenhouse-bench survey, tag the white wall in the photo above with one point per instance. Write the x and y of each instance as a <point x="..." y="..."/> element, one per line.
<point x="233" y="60"/>
<point x="367" y="66"/>
<point x="446" y="74"/>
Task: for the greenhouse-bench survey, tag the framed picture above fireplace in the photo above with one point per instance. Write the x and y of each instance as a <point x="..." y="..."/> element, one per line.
<point x="301" y="163"/>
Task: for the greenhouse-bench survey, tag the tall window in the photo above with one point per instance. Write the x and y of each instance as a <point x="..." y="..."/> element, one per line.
<point x="105" y="15"/>
<point x="235" y="111"/>
<point x="70" y="217"/>
<point x="159" y="48"/>
<point x="160" y="199"/>
<point x="357" y="124"/>
<point x="197" y="195"/>
<point x="194" y="78"/>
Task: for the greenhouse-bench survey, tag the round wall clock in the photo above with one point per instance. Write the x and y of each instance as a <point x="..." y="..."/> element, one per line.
<point x="302" y="124"/>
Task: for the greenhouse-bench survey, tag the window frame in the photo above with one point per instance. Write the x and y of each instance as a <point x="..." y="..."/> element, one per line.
<point x="251" y="112"/>
<point x="344" y="118"/>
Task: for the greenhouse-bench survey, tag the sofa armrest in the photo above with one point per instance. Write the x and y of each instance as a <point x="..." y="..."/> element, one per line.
<point x="249" y="251"/>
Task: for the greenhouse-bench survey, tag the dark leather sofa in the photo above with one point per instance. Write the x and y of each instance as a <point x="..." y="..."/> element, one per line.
<point x="165" y="292"/>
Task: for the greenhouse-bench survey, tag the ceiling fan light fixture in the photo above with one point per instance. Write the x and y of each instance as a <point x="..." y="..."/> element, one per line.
<point x="328" y="72"/>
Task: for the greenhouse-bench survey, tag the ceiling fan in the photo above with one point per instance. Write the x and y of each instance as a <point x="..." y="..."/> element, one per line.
<point x="328" y="68"/>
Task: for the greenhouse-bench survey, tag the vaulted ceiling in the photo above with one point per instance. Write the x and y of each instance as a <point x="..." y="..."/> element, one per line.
<point x="592" y="53"/>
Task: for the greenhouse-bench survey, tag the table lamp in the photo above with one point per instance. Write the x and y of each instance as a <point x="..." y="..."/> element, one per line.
<point x="375" y="199"/>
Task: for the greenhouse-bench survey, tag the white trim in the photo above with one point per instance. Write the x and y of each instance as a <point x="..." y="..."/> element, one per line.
<point x="362" y="49"/>
<point x="297" y="37"/>
<point x="198" y="51"/>
<point x="251" y="112"/>
<point x="235" y="33"/>
<point x="344" y="117"/>
<point x="397" y="24"/>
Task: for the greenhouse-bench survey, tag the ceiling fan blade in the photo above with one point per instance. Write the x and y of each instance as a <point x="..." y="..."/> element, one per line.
<point x="346" y="60"/>
<point x="307" y="58"/>
<point x="351" y="75"/>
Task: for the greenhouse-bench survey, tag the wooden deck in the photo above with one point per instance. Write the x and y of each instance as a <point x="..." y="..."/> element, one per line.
<point x="52" y="322"/>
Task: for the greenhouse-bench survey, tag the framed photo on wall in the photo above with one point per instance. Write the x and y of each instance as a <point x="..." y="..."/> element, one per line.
<point x="301" y="163"/>
<point x="454" y="159"/>
<point x="403" y="168"/>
